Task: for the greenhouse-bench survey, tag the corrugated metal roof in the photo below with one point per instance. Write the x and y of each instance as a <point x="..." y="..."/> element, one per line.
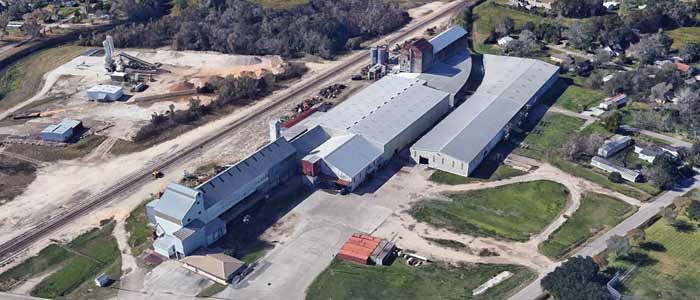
<point x="384" y="109"/>
<point x="176" y="200"/>
<point x="62" y="127"/>
<point x="447" y="37"/>
<point x="508" y="84"/>
<point x="104" y="88"/>
<point x="226" y="183"/>
<point x="348" y="153"/>
<point x="450" y="75"/>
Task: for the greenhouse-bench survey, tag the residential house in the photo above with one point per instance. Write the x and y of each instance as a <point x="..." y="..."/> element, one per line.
<point x="609" y="167"/>
<point x="614" y="145"/>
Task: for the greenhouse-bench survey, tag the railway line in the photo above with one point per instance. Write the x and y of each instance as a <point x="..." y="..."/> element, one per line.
<point x="15" y="246"/>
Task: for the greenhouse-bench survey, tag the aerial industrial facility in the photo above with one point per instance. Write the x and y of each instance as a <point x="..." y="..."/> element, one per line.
<point x="345" y="145"/>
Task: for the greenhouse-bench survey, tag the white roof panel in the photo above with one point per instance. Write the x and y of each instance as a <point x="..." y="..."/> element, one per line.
<point x="447" y="37"/>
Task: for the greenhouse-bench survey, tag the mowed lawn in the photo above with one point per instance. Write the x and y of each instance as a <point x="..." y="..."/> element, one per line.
<point x="674" y="272"/>
<point x="684" y="35"/>
<point x="550" y="134"/>
<point x="514" y="212"/>
<point x="72" y="274"/>
<point x="344" y="280"/>
<point x="578" y="98"/>
<point x="596" y="214"/>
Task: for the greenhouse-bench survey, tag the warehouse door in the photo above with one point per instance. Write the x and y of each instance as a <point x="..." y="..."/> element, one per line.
<point x="423" y="160"/>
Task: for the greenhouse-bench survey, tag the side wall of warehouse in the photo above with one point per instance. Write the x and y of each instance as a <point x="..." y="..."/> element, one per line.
<point x="422" y="125"/>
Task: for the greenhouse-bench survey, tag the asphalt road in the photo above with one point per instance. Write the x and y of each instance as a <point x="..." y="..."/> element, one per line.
<point x="645" y="213"/>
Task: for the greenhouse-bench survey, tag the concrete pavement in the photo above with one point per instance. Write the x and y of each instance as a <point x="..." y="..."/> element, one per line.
<point x="645" y="213"/>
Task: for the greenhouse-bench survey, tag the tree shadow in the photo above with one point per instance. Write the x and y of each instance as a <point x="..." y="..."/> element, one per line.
<point x="683" y="226"/>
<point x="652" y="246"/>
<point x="639" y="258"/>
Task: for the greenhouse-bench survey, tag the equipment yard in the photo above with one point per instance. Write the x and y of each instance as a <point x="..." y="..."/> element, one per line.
<point x="63" y="94"/>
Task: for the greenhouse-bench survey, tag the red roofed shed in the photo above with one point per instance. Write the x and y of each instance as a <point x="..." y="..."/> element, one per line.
<point x="682" y="67"/>
<point x="358" y="248"/>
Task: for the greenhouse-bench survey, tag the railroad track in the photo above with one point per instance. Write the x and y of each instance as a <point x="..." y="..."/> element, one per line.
<point x="14" y="247"/>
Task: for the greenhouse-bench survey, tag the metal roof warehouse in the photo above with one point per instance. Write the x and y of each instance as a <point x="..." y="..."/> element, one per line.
<point x="460" y="142"/>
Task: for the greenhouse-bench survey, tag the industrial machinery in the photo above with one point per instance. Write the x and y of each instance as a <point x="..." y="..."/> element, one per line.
<point x="120" y="62"/>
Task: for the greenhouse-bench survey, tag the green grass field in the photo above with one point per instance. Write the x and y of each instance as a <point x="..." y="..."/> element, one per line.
<point x="100" y="253"/>
<point x="514" y="212"/>
<point x="29" y="72"/>
<point x="344" y="280"/>
<point x="139" y="233"/>
<point x="673" y="272"/>
<point x="596" y="214"/>
<point x="502" y="172"/>
<point x="486" y="16"/>
<point x="553" y="131"/>
<point x="577" y="98"/>
<point x="684" y="35"/>
<point x="638" y="191"/>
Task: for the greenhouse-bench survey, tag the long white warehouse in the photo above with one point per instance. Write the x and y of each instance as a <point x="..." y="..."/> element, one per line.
<point x="460" y="142"/>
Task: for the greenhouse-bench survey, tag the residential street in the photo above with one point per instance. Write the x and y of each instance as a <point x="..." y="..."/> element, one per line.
<point x="645" y="213"/>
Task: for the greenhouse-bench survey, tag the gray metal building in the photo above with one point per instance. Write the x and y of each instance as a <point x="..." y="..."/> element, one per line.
<point x="464" y="138"/>
<point x="62" y="131"/>
<point x="352" y="140"/>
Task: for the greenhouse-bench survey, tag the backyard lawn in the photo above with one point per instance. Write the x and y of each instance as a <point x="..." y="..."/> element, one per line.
<point x="550" y="134"/>
<point x="684" y="35"/>
<point x="578" y="98"/>
<point x="596" y="214"/>
<point x="435" y="281"/>
<point x="486" y="15"/>
<point x="672" y="272"/>
<point x="502" y="172"/>
<point x="515" y="211"/>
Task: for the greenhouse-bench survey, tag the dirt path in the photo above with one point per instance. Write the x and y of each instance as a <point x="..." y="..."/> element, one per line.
<point x="26" y="287"/>
<point x="101" y="151"/>
<point x="411" y="234"/>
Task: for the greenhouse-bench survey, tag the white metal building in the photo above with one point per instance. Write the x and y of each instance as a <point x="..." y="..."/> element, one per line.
<point x="614" y="145"/>
<point x="105" y="93"/>
<point x="609" y="167"/>
<point x="464" y="138"/>
<point x="62" y="131"/>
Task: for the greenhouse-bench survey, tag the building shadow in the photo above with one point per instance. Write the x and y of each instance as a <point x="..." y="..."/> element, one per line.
<point x="535" y="115"/>
<point x="245" y="228"/>
<point x="379" y="178"/>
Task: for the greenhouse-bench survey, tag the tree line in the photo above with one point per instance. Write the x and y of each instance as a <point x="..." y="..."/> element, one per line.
<point x="321" y="27"/>
<point x="230" y="90"/>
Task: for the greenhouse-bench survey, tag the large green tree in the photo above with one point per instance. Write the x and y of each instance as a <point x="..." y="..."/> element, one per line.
<point x="577" y="279"/>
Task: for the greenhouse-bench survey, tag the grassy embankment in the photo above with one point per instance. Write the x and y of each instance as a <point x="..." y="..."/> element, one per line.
<point x="347" y="280"/>
<point x="23" y="79"/>
<point x="502" y="172"/>
<point x="596" y="214"/>
<point x="136" y="225"/>
<point x="514" y="212"/>
<point x="73" y="267"/>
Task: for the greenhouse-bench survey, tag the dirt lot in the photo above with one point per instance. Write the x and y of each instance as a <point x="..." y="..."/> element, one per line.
<point x="15" y="176"/>
<point x="63" y="94"/>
